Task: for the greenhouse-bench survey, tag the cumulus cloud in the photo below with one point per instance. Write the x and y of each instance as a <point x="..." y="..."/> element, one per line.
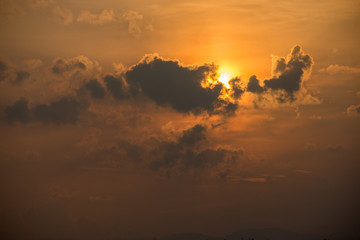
<point x="288" y="74"/>
<point x="116" y="87"/>
<point x="60" y="112"/>
<point x="353" y="110"/>
<point x="340" y="69"/>
<point x="187" y="89"/>
<point x="254" y="85"/>
<point x="188" y="152"/>
<point x="95" y="88"/>
<point x="167" y="82"/>
<point x="93" y="18"/>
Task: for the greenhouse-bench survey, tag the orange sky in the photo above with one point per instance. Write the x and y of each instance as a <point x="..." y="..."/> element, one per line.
<point x="130" y="119"/>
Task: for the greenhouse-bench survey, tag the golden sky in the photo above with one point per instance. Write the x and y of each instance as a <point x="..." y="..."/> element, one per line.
<point x="134" y="119"/>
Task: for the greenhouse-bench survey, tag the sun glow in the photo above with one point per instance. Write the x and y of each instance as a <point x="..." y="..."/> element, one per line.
<point x="225" y="78"/>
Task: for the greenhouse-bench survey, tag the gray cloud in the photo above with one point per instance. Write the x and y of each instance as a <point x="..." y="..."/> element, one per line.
<point x="19" y="112"/>
<point x="254" y="85"/>
<point x="288" y="74"/>
<point x="236" y="87"/>
<point x="65" y="65"/>
<point x="187" y="152"/>
<point x="169" y="83"/>
<point x="95" y="88"/>
<point x="116" y="87"/>
<point x="63" y="111"/>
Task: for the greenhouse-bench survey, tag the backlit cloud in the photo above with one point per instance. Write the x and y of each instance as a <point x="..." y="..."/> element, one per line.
<point x="288" y="74"/>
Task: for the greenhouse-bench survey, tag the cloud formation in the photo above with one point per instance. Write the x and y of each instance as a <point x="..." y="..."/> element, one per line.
<point x="62" y="65"/>
<point x="187" y="89"/>
<point x="116" y="87"/>
<point x="288" y="74"/>
<point x="167" y="82"/>
<point x="95" y="88"/>
<point x="61" y="112"/>
<point x="93" y="18"/>
<point x="188" y="151"/>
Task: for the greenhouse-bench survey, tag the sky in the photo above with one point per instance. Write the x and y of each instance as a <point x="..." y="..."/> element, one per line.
<point x="140" y="119"/>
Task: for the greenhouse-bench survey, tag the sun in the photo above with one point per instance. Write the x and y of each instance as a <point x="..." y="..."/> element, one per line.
<point x="224" y="78"/>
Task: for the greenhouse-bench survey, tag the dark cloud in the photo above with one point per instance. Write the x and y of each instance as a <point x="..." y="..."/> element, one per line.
<point x="116" y="87"/>
<point x="19" y="112"/>
<point x="95" y="88"/>
<point x="3" y="68"/>
<point x="192" y="136"/>
<point x="188" y="152"/>
<point x="167" y="82"/>
<point x="64" y="65"/>
<point x="288" y="74"/>
<point x="63" y="111"/>
<point x="237" y="88"/>
<point x="21" y="76"/>
<point x="254" y="85"/>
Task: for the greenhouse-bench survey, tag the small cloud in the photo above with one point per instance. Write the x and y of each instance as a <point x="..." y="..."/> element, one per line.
<point x="340" y="69"/>
<point x="136" y="23"/>
<point x="93" y="18"/>
<point x="61" y="112"/>
<point x="335" y="148"/>
<point x="62" y="16"/>
<point x="353" y="110"/>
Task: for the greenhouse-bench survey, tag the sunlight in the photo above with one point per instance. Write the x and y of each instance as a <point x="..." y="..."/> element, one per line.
<point x="225" y="78"/>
